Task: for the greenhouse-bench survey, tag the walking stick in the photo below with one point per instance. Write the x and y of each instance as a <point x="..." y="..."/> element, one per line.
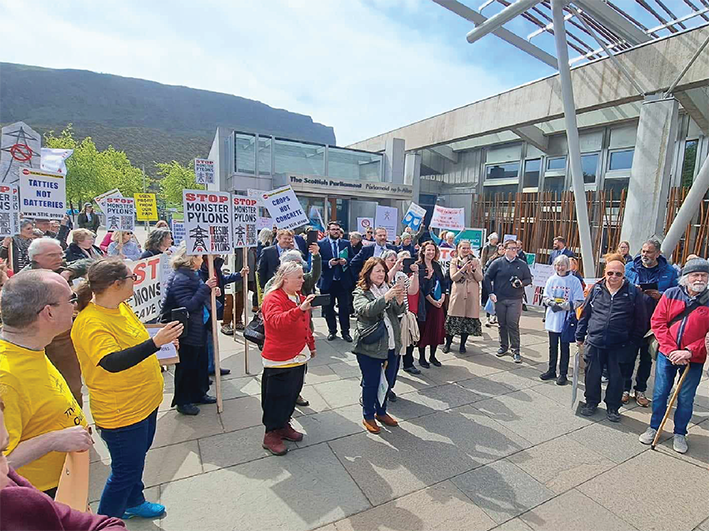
<point x="669" y="407"/>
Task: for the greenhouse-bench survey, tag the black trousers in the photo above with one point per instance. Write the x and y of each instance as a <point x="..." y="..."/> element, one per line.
<point x="279" y="391"/>
<point x="191" y="378"/>
<point x="554" y="341"/>
<point x="595" y="359"/>
<point x="338" y="294"/>
<point x="408" y="358"/>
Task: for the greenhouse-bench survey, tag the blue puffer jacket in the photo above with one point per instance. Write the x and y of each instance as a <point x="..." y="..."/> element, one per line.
<point x="663" y="273"/>
<point x="186" y="289"/>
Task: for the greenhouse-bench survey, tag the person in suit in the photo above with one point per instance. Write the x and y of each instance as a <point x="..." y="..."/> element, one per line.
<point x="270" y="256"/>
<point x="376" y="250"/>
<point x="559" y="249"/>
<point x="335" y="280"/>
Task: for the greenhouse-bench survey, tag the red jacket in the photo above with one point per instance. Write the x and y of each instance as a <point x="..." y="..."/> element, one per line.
<point x="692" y="330"/>
<point x="286" y="327"/>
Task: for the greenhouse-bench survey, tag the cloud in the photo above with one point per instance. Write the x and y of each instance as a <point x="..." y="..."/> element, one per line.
<point x="349" y="64"/>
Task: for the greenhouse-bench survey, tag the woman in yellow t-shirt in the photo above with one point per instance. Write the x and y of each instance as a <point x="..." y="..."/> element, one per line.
<point x="124" y="381"/>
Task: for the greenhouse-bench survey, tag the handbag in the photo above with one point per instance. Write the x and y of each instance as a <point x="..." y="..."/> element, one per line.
<point x="372" y="334"/>
<point x="568" y="331"/>
<point x="254" y="331"/>
<point x="653" y="345"/>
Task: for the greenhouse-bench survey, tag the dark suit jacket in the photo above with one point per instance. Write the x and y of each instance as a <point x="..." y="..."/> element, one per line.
<point x="328" y="272"/>
<point x="268" y="264"/>
<point x="365" y="254"/>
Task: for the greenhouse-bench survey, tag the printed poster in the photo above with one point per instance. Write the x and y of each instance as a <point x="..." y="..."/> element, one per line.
<point x="414" y="216"/>
<point x="284" y="208"/>
<point x="386" y="218"/>
<point x="208" y="222"/>
<point x="204" y="171"/>
<point x="42" y="194"/>
<point x="244" y="221"/>
<point x="9" y="210"/>
<point x="120" y="213"/>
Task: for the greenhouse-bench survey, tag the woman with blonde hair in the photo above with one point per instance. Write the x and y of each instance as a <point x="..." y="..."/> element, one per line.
<point x="123" y="246"/>
<point x="288" y="347"/>
<point x="464" y="307"/>
<point x="82" y="246"/>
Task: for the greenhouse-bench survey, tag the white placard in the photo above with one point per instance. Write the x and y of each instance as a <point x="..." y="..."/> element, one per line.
<point x="42" y="194"/>
<point x="207" y="222"/>
<point x="448" y="218"/>
<point x="167" y="355"/>
<point x="284" y="208"/>
<point x="9" y="210"/>
<point x="178" y="232"/>
<point x="541" y="273"/>
<point x="245" y="210"/>
<point x="204" y="171"/>
<point x="256" y="194"/>
<point x="146" y="301"/>
<point x="263" y="223"/>
<point x="414" y="216"/>
<point x="363" y="224"/>
<point x="101" y="199"/>
<point x="386" y="218"/>
<point x="120" y="213"/>
<point x="55" y="159"/>
<point x="20" y="147"/>
<point x="507" y="237"/>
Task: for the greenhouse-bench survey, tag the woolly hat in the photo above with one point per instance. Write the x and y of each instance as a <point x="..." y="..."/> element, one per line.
<point x="698" y="265"/>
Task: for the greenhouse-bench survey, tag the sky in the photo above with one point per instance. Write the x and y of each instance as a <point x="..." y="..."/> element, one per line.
<point x="362" y="66"/>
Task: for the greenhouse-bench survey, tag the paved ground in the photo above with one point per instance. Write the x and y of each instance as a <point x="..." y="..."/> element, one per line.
<point x="482" y="444"/>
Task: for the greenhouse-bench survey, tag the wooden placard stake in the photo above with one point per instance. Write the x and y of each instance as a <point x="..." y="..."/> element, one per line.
<point x="245" y="289"/>
<point x="215" y="339"/>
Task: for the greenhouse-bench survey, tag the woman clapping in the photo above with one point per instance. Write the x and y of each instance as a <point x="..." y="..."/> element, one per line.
<point x="464" y="308"/>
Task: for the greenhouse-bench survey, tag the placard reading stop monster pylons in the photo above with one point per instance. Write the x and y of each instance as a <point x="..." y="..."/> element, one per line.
<point x="245" y="217"/>
<point x="9" y="210"/>
<point x="120" y="213"/>
<point x="208" y="222"/>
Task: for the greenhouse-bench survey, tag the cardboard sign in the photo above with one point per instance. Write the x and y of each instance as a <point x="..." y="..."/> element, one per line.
<point x="244" y="222"/>
<point x="146" y="301"/>
<point x="146" y="207"/>
<point x="73" y="488"/>
<point x="363" y="224"/>
<point x="178" y="232"/>
<point x="42" y="194"/>
<point x="120" y="213"/>
<point x="9" y="210"/>
<point x="448" y="218"/>
<point x="101" y="199"/>
<point x="414" y="216"/>
<point x="284" y="208"/>
<point x="386" y="218"/>
<point x="204" y="171"/>
<point x="167" y="355"/>
<point x="208" y="220"/>
<point x="20" y="147"/>
<point x="541" y="274"/>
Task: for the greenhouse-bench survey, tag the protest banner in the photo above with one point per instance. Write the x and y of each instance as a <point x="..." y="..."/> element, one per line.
<point x="363" y="224"/>
<point x="146" y="207"/>
<point x="120" y="213"/>
<point x="20" y="147"/>
<point x="448" y="218"/>
<point x="178" y="232"/>
<point x="509" y="237"/>
<point x="541" y="274"/>
<point x="284" y="208"/>
<point x="146" y="301"/>
<point x="207" y="222"/>
<point x="100" y="199"/>
<point x="167" y="355"/>
<point x="414" y="216"/>
<point x="475" y="236"/>
<point x="386" y="218"/>
<point x="204" y="171"/>
<point x="9" y="210"/>
<point x="42" y="194"/>
<point x="263" y="223"/>
<point x="55" y="159"/>
<point x="447" y="254"/>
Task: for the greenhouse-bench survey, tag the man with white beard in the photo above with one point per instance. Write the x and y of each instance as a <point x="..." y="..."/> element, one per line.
<point x="680" y="324"/>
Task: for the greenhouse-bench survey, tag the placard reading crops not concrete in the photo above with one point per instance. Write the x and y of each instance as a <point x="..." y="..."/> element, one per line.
<point x="9" y="210"/>
<point x="284" y="208"/>
<point x="42" y="193"/>
<point x="146" y="208"/>
<point x="204" y="171"/>
<point x="208" y="217"/>
<point x="245" y="218"/>
<point x="120" y="213"/>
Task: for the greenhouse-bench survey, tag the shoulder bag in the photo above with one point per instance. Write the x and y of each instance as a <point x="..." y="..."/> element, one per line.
<point x="254" y="331"/>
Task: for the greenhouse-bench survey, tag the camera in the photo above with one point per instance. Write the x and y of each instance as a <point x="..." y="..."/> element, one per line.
<point x="516" y="282"/>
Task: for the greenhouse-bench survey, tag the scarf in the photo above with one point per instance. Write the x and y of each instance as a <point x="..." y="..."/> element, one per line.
<point x="380" y="291"/>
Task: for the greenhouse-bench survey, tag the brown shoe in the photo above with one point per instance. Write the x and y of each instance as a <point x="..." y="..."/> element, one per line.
<point x="273" y="443"/>
<point x="289" y="434"/>
<point x="626" y="397"/>
<point x="387" y="420"/>
<point x="641" y="399"/>
<point x="371" y="425"/>
<point x="239" y="326"/>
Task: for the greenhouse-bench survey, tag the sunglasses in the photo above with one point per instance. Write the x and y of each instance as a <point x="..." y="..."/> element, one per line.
<point x="610" y="274"/>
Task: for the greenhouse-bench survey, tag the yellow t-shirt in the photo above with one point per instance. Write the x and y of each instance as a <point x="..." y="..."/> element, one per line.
<point x="37" y="401"/>
<point x="117" y="399"/>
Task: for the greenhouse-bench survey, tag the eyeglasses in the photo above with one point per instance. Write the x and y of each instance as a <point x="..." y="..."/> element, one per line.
<point x="72" y="300"/>
<point x="618" y="274"/>
<point x="134" y="277"/>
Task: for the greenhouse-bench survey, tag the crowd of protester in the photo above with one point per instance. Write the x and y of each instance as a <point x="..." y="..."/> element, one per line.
<point x="66" y="321"/>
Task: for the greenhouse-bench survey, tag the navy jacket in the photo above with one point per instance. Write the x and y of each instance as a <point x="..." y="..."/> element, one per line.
<point x="74" y="253"/>
<point x="411" y="248"/>
<point x="328" y="272"/>
<point x="498" y="278"/>
<point x="186" y="289"/>
<point x="613" y="322"/>
<point x="565" y="251"/>
<point x="365" y="254"/>
<point x="222" y="280"/>
<point x="663" y="273"/>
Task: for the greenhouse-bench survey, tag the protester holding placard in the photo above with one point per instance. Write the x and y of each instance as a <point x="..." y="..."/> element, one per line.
<point x="122" y="245"/>
<point x="185" y="289"/>
<point x="464" y="307"/>
<point x="124" y="380"/>
<point x="20" y="246"/>
<point x="88" y="219"/>
<point x="82" y="246"/>
<point x="431" y="317"/>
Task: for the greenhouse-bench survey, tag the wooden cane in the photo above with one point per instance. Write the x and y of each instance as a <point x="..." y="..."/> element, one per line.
<point x="215" y="339"/>
<point x="669" y="407"/>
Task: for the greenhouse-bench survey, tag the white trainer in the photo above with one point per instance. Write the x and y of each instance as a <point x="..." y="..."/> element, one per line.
<point x="680" y="444"/>
<point x="648" y="436"/>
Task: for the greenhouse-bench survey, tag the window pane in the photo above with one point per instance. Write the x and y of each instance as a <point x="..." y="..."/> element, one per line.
<point x="617" y="186"/>
<point x="245" y="151"/>
<point x="509" y="170"/>
<point x="589" y="165"/>
<point x="264" y="155"/>
<point x="554" y="184"/>
<point x="297" y="157"/>
<point x="621" y="160"/>
<point x="556" y="163"/>
<point x="690" y="161"/>
<point x="490" y="191"/>
<point x="348" y="164"/>
<point x="532" y="169"/>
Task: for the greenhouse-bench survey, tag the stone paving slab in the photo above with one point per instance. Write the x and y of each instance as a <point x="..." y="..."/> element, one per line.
<point x="235" y="448"/>
<point x="698" y="442"/>
<point x="516" y="524"/>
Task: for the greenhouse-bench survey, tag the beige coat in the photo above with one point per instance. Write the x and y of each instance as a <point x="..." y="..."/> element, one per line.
<point x="465" y="290"/>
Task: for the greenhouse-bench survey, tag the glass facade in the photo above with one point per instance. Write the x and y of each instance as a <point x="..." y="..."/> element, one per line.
<point x="350" y="164"/>
<point x="621" y="160"/>
<point x="245" y="149"/>
<point x="589" y="165"/>
<point x="532" y="171"/>
<point x="508" y="170"/>
<point x="556" y="163"/>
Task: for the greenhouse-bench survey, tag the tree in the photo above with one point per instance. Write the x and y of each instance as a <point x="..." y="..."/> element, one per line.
<point x="91" y="172"/>
<point x="175" y="178"/>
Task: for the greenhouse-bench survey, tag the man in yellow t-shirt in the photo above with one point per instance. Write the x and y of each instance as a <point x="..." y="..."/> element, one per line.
<point x="41" y="414"/>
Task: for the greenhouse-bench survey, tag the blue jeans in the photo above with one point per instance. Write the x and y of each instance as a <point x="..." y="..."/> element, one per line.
<point x="665" y="374"/>
<point x="128" y="447"/>
<point x="371" y="369"/>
